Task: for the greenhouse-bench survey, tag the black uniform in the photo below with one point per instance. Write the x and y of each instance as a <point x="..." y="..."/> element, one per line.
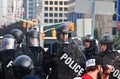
<point x="62" y="59"/>
<point x="110" y="56"/>
<point x="34" y="51"/>
<point x="8" y="55"/>
<point x="92" y="50"/>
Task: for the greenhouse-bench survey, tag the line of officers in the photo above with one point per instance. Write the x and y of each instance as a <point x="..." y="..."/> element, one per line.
<point x="21" y="57"/>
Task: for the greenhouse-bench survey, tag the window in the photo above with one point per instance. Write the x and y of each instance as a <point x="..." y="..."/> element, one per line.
<point x="61" y="3"/>
<point x="65" y="3"/>
<point x="31" y="4"/>
<point x="65" y="20"/>
<point x="60" y="20"/>
<point x="60" y="15"/>
<point x="51" y="9"/>
<point x="46" y="2"/>
<point x="46" y="8"/>
<point x="56" y="9"/>
<point x="51" y="2"/>
<point x="46" y="14"/>
<point x="55" y="21"/>
<point x="114" y="17"/>
<point x="46" y="20"/>
<point x="56" y="3"/>
<point x="115" y="4"/>
<point x="114" y="31"/>
<point x="55" y="15"/>
<point x="60" y="8"/>
<point x="31" y="0"/>
<point x="50" y="21"/>
<point x="51" y="14"/>
<point x="65" y="9"/>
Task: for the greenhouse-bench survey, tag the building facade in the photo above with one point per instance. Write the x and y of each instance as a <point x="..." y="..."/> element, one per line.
<point x="103" y="23"/>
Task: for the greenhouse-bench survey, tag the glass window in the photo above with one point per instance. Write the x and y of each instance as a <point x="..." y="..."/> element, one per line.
<point x="60" y="8"/>
<point x="31" y="4"/>
<point x="60" y="20"/>
<point x="46" y="20"/>
<point x="65" y="3"/>
<point x="55" y="15"/>
<point x="115" y="4"/>
<point x="114" y="17"/>
<point x="46" y="8"/>
<point x="65" y="20"/>
<point x="114" y="31"/>
<point x="51" y="14"/>
<point x="56" y="9"/>
<point x="30" y="0"/>
<point x="56" y="3"/>
<point x="50" y="21"/>
<point x="61" y="3"/>
<point x="65" y="9"/>
<point x="51" y="2"/>
<point x="60" y="15"/>
<point x="55" y="21"/>
<point x="46" y="2"/>
<point x="46" y="14"/>
<point x="51" y="8"/>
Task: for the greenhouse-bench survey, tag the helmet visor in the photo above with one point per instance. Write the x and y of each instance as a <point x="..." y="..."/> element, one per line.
<point x="33" y="42"/>
<point x="8" y="43"/>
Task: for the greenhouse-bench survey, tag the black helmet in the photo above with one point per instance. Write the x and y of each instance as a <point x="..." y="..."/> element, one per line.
<point x="32" y="38"/>
<point x="32" y="33"/>
<point x="89" y="38"/>
<point x="18" y="34"/>
<point x="8" y="42"/>
<point x="106" y="39"/>
<point x="63" y="29"/>
<point x="22" y="66"/>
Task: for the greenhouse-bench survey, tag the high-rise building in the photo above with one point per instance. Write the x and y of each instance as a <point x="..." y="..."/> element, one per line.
<point x="50" y="11"/>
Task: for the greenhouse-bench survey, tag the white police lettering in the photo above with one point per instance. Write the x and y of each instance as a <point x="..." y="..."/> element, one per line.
<point x="116" y="73"/>
<point x="71" y="64"/>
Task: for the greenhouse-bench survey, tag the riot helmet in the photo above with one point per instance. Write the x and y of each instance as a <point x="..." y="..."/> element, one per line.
<point x="22" y="66"/>
<point x="18" y="34"/>
<point x="32" y="38"/>
<point x="8" y="42"/>
<point x="62" y="31"/>
<point x="108" y="40"/>
<point x="89" y="38"/>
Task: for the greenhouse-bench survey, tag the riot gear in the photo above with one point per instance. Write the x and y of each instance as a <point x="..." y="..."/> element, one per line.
<point x="22" y="66"/>
<point x="8" y="42"/>
<point x="56" y="59"/>
<point x="108" y="40"/>
<point x="18" y="34"/>
<point x="32" y="38"/>
<point x="109" y="55"/>
<point x="90" y="46"/>
<point x="63" y="33"/>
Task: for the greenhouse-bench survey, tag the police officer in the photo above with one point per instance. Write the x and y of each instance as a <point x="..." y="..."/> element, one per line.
<point x="90" y="46"/>
<point x="23" y="67"/>
<point x="20" y="41"/>
<point x="34" y="50"/>
<point x="64" y="56"/>
<point x="110" y="56"/>
<point x="8" y="52"/>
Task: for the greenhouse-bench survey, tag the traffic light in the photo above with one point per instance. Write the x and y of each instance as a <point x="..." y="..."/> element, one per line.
<point x="43" y="36"/>
<point x="53" y="33"/>
<point x="35" y="21"/>
<point x="24" y="23"/>
<point x="29" y="24"/>
<point x="71" y="25"/>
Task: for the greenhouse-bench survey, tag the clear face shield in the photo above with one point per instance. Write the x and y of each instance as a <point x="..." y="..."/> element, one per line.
<point x="33" y="42"/>
<point x="8" y="43"/>
<point x="63" y="38"/>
